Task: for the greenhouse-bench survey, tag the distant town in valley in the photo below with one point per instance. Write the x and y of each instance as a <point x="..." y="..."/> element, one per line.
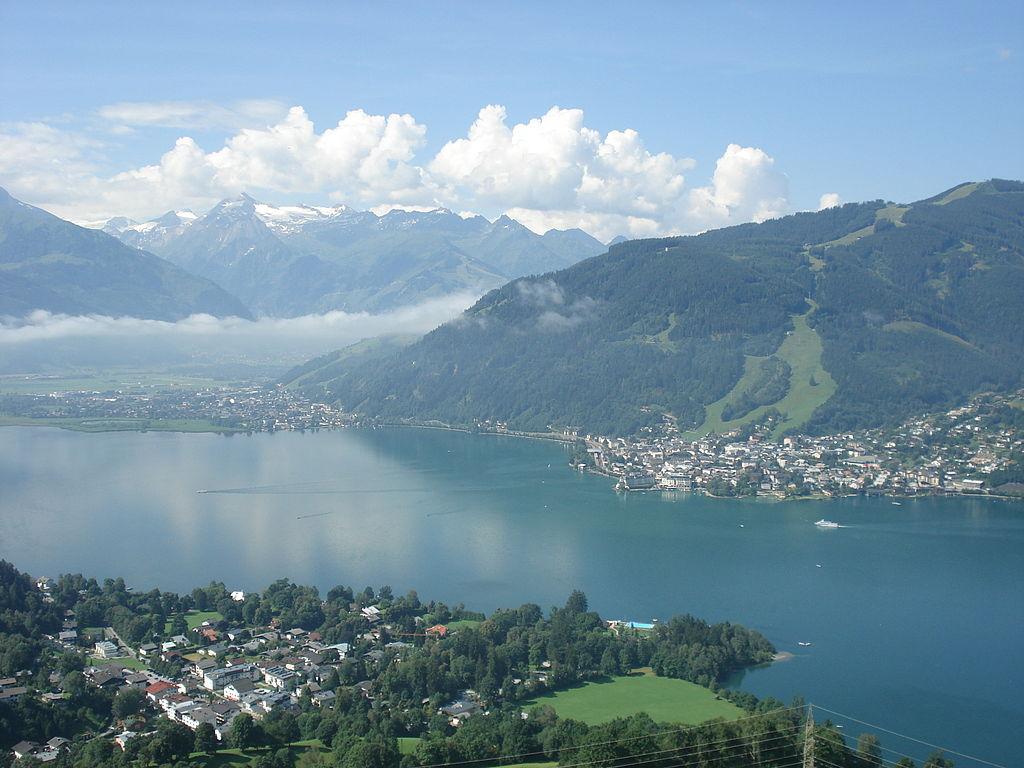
<point x="212" y="409"/>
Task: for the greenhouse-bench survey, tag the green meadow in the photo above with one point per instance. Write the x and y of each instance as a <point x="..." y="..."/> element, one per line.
<point x="802" y="350"/>
<point x="664" y="699"/>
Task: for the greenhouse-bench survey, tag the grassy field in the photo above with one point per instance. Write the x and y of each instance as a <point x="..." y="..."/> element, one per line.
<point x="910" y="326"/>
<point x="115" y="425"/>
<point x="664" y="699"/>
<point x="962" y="191"/>
<point x="194" y="618"/>
<point x="407" y="744"/>
<point x="852" y="237"/>
<point x="127" y="662"/>
<point x="802" y="350"/>
<point x="463" y="624"/>
<point x="127" y="380"/>
<point x="893" y="213"/>
<point x="661" y="339"/>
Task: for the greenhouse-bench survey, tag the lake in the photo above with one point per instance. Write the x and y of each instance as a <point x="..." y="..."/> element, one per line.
<point x="915" y="612"/>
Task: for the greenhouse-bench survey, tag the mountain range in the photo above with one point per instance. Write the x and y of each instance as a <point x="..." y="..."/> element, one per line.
<point x="50" y="264"/>
<point x="855" y="316"/>
<point x="294" y="260"/>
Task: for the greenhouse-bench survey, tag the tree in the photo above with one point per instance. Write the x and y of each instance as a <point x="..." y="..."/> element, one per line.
<point x="75" y="685"/>
<point x="577" y="602"/>
<point x="370" y="754"/>
<point x="332" y="680"/>
<point x="179" y="626"/>
<point x="243" y="732"/>
<point x="206" y="739"/>
<point x="200" y="599"/>
<point x="128" y="702"/>
<point x="172" y="741"/>
<point x="281" y="727"/>
<point x="609" y="662"/>
<point x="279" y="759"/>
<point x="869" y="750"/>
<point x="936" y="760"/>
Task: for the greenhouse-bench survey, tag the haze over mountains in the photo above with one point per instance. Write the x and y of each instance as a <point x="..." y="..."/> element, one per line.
<point x="293" y="260"/>
<point x="853" y="316"/>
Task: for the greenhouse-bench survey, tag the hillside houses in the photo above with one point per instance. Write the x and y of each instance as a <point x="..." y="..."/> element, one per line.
<point x="952" y="452"/>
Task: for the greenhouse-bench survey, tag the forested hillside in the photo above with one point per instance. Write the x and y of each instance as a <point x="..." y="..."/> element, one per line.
<point x="51" y="264"/>
<point x="848" y="317"/>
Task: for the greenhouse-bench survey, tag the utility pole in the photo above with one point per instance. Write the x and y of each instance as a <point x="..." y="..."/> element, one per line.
<point x="809" y="738"/>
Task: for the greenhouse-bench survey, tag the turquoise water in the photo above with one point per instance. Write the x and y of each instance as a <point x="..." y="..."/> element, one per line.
<point x="915" y="615"/>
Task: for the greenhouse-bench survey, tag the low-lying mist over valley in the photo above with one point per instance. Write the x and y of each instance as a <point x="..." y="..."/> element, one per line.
<point x="48" y="342"/>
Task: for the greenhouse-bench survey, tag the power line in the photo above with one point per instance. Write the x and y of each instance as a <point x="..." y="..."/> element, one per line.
<point x="653" y="757"/>
<point x="688" y="752"/>
<point x="692" y="750"/>
<point x="883" y="762"/>
<point x="686" y="729"/>
<point x="896" y="752"/>
<point x="910" y="738"/>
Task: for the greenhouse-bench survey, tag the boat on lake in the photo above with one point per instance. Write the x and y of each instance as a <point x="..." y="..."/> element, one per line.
<point x="823" y="523"/>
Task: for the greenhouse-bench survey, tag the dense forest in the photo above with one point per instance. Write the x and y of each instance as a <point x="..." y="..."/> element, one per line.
<point x="493" y="655"/>
<point x="917" y="307"/>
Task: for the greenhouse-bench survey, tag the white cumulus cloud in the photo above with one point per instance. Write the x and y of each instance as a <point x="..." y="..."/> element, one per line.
<point x="551" y="171"/>
<point x="745" y="187"/>
<point x="829" y="200"/>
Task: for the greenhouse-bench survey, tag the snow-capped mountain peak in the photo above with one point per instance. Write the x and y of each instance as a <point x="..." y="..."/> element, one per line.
<point x="287" y="219"/>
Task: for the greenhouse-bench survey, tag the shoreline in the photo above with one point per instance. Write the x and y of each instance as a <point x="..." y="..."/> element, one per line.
<point x="100" y="425"/>
<point x="198" y="426"/>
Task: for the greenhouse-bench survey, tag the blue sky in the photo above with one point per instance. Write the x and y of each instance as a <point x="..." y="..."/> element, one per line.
<point x="866" y="100"/>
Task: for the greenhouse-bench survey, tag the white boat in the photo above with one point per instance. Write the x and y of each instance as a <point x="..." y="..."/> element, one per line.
<point x="804" y="644"/>
<point x="823" y="523"/>
<point x="896" y="504"/>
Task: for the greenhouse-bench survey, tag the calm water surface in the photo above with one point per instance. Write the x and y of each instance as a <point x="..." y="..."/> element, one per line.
<point x="915" y="612"/>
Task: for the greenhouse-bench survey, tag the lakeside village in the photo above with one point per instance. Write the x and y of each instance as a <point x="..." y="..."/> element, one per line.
<point x="229" y="409"/>
<point x="975" y="449"/>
